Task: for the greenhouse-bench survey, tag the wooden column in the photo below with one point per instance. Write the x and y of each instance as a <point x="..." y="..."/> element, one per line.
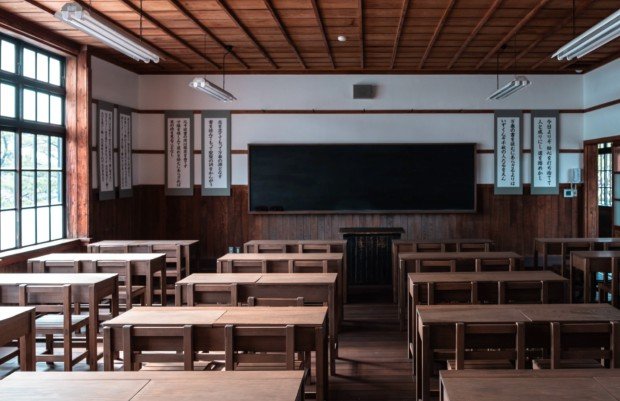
<point x="590" y="190"/>
<point x="78" y="83"/>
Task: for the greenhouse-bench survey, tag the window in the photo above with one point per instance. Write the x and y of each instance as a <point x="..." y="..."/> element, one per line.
<point x="32" y="141"/>
<point x="604" y="174"/>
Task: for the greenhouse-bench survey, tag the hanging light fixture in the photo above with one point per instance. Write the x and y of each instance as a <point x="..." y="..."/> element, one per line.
<point x="204" y="85"/>
<point x="519" y="82"/>
<point x="94" y="25"/>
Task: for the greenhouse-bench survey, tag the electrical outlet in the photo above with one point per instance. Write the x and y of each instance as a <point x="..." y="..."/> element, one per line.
<point x="570" y="193"/>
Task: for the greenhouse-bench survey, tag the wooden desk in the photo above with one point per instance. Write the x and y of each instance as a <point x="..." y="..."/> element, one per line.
<point x="295" y="245"/>
<point x="86" y="288"/>
<point x="405" y="267"/>
<point x="589" y="262"/>
<point x="144" y="264"/>
<point x="209" y="323"/>
<point x="154" y="386"/>
<point x="279" y="263"/>
<point x="518" y="385"/>
<point x="314" y="287"/>
<point x="189" y="248"/>
<point x="487" y="290"/>
<point x="17" y="323"/>
<point x="448" y="245"/>
<point x="436" y="327"/>
<point x="555" y="246"/>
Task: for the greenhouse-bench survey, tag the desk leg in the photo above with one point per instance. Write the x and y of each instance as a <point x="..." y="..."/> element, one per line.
<point x="416" y="366"/>
<point x="93" y="325"/>
<point x="108" y="352"/>
<point x="427" y="363"/>
<point x="571" y="284"/>
<point x="587" y="285"/>
<point x="27" y="347"/>
<point x="333" y="331"/>
<point x="321" y="363"/>
<point x="186" y="256"/>
<point x="163" y="284"/>
<point x="402" y="277"/>
<point x="149" y="290"/>
<point x="544" y="266"/>
<point x="614" y="282"/>
<point x="535" y="256"/>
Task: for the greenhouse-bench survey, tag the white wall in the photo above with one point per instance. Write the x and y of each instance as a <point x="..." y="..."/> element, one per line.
<point x="600" y="86"/>
<point x="303" y="92"/>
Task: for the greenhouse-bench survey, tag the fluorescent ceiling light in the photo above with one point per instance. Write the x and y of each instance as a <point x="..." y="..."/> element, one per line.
<point x="202" y="84"/>
<point x="595" y="37"/>
<point x="511" y="87"/>
<point x="97" y="27"/>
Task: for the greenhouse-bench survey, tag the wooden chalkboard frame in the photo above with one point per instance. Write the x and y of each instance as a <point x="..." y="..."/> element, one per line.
<point x="338" y="212"/>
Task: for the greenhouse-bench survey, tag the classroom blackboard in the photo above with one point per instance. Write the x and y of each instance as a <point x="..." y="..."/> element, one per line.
<point x="362" y="177"/>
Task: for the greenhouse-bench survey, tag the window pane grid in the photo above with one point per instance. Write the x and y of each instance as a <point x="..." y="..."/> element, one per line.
<point x="32" y="167"/>
<point x="604" y="175"/>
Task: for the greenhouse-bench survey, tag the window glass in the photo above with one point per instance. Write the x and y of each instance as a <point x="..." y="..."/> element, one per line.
<point x="8" y="239"/>
<point x="43" y="224"/>
<point x="7" y="56"/>
<point x="43" y="107"/>
<point x="42" y="67"/>
<point x="7" y="100"/>
<point x="29" y="64"/>
<point x="30" y="105"/>
<point x="55" y="72"/>
<point x="7" y="150"/>
<point x="28" y="227"/>
<point x="55" y="110"/>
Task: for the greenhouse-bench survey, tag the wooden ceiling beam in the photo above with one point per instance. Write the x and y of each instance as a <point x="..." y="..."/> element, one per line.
<point x="284" y="32"/>
<point x="360" y="10"/>
<point x="513" y="31"/>
<point x="129" y="32"/>
<point x="436" y="33"/>
<point x="169" y="32"/>
<point x="399" y="31"/>
<point x="231" y="14"/>
<point x="473" y="33"/>
<point x="207" y="31"/>
<point x="567" y="19"/>
<point x="319" y="20"/>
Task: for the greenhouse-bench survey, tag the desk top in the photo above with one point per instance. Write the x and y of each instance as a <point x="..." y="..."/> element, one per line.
<point x="447" y="314"/>
<point x="596" y="254"/>
<point x="259" y="278"/>
<point x="221" y="315"/>
<point x="512" y="385"/>
<point x="156" y="386"/>
<point x="92" y="257"/>
<point x="9" y="312"/>
<point x="280" y="256"/>
<point x="461" y="277"/>
<point x="55" y="278"/>
<point x="586" y="240"/>
<point x="457" y="255"/>
<point x="183" y="242"/>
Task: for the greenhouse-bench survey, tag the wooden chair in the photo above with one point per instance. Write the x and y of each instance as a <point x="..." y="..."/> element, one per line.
<point x="175" y="270"/>
<point x="522" y="292"/>
<point x="248" y="266"/>
<point x="442" y="293"/>
<point x="255" y="301"/>
<point x="169" y="345"/>
<point x="429" y="247"/>
<point x="582" y="345"/>
<point x="604" y="288"/>
<point x="308" y="266"/>
<point x="566" y="249"/>
<point x="433" y="266"/>
<point x="260" y="348"/>
<point x="127" y="292"/>
<point x="54" y="306"/>
<point x="485" y="265"/>
<point x="110" y="249"/>
<point x="472" y="247"/>
<point x="314" y="248"/>
<point x="476" y="346"/>
<point x="270" y="248"/>
<point x="211" y="294"/>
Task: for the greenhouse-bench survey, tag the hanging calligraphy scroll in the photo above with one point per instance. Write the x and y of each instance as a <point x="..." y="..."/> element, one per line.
<point x="125" y="183"/>
<point x="179" y="153"/>
<point x="508" y="145"/>
<point x="216" y="153"/>
<point x="545" y="155"/>
<point x="105" y="150"/>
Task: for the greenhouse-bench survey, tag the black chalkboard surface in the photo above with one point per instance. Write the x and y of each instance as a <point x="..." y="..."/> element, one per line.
<point x="373" y="177"/>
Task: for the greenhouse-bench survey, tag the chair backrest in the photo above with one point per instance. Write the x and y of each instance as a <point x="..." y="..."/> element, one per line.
<point x="111" y="248"/>
<point x="48" y="299"/>
<point x="57" y="266"/>
<point x="256" y="345"/>
<point x="270" y="248"/>
<point x="248" y="266"/>
<point x="568" y="247"/>
<point x="479" y="342"/>
<point x="598" y="341"/>
<point x="437" y="266"/>
<point x="172" y="251"/>
<point x="314" y="248"/>
<point x="163" y="344"/>
<point x="257" y="301"/>
<point x="612" y="246"/>
<point x="500" y="264"/>
<point x="429" y="247"/>
<point x="308" y="266"/>
<point x="523" y="292"/>
<point x="212" y="294"/>
<point x="441" y="293"/>
<point x="123" y="268"/>
<point x="472" y="247"/>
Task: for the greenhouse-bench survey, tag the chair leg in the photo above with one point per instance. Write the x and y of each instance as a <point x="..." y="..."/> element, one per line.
<point x="67" y="348"/>
<point x="88" y="355"/>
<point x="49" y="346"/>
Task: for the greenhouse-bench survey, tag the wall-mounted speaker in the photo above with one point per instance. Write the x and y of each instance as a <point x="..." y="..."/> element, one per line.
<point x="363" y="91"/>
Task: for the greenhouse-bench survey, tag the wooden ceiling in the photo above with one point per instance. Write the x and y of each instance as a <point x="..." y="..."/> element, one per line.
<point x="383" y="36"/>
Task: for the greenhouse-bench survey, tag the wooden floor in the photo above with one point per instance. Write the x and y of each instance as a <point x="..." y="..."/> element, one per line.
<point x="373" y="362"/>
